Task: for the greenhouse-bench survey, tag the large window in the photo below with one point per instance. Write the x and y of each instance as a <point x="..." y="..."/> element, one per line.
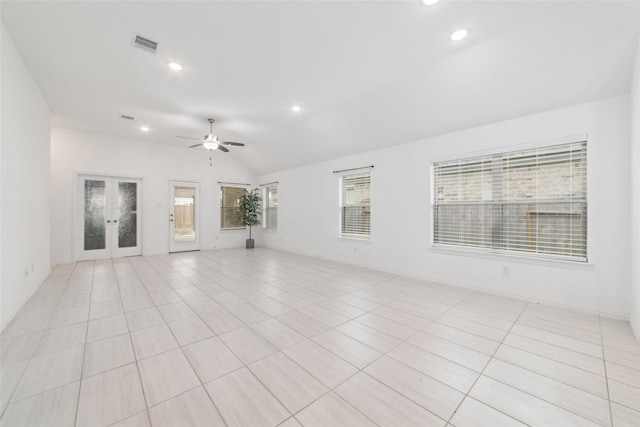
<point x="355" y="205"/>
<point x="529" y="201"/>
<point x="270" y="220"/>
<point x="230" y="215"/>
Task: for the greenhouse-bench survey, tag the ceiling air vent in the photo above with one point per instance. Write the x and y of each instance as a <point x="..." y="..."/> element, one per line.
<point x="145" y="43"/>
<point x="124" y="116"/>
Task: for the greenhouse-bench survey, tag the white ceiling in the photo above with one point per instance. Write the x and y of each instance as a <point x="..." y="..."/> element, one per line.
<point x="367" y="74"/>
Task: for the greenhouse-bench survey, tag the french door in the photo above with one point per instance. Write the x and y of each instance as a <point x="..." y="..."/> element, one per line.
<point x="110" y="225"/>
<point x="184" y="216"/>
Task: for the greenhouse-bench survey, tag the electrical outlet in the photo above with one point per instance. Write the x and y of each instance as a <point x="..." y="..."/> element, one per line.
<point x="506" y="271"/>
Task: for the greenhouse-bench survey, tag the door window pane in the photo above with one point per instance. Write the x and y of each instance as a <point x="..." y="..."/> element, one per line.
<point x="127" y="221"/>
<point x="184" y="202"/>
<point x="94" y="210"/>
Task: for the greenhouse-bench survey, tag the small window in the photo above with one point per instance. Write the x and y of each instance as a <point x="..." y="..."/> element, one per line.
<point x="230" y="215"/>
<point x="531" y="202"/>
<point x="355" y="205"/>
<point x="270" y="220"/>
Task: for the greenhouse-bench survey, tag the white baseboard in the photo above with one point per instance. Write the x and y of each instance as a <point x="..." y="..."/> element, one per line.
<point x="635" y="327"/>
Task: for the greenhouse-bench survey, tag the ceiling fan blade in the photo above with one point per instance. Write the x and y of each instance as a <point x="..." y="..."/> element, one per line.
<point x="187" y="137"/>
<point x="196" y="145"/>
<point x="221" y="148"/>
<point x="237" y="144"/>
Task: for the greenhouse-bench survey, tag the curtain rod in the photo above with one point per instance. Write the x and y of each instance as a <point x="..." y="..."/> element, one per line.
<point x="233" y="183"/>
<point x="354" y="169"/>
<point x="263" y="185"/>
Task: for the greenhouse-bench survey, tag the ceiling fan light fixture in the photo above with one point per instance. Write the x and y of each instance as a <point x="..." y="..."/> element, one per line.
<point x="210" y="145"/>
<point x="211" y="138"/>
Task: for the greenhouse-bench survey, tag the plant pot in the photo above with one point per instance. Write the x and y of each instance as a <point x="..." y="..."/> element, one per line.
<point x="250" y="243"/>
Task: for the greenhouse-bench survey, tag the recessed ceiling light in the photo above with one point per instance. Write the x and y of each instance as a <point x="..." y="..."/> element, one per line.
<point x="459" y="35"/>
<point x="430" y="2"/>
<point x="175" y="66"/>
<point x="144" y="129"/>
<point x="296" y="108"/>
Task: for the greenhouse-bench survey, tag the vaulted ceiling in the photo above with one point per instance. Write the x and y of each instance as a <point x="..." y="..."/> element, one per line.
<point x="366" y="74"/>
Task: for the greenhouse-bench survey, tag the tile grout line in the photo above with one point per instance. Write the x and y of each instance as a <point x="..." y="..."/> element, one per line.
<point x="204" y="267"/>
<point x="329" y="390"/>
<point x="382" y="354"/>
<point x="483" y="369"/>
<point x="190" y="364"/>
<point x="606" y="377"/>
<point x="144" y="394"/>
<point x="552" y="379"/>
<point x="84" y="346"/>
<point x="42" y="332"/>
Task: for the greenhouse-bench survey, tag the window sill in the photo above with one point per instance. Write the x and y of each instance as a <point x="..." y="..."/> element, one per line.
<point x="502" y="256"/>
<point x="353" y="238"/>
<point x="233" y="229"/>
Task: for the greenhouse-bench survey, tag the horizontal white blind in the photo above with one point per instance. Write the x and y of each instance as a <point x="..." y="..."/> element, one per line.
<point x="230" y="215"/>
<point x="528" y="201"/>
<point x="355" y="204"/>
<point x="271" y="208"/>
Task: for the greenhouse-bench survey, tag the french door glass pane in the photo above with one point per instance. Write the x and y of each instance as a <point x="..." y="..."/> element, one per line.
<point x="94" y="211"/>
<point x="184" y="213"/>
<point x="127" y="207"/>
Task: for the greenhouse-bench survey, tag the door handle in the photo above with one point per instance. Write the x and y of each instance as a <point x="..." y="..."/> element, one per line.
<point x="171" y="220"/>
<point x="108" y="220"/>
<point x="115" y="220"/>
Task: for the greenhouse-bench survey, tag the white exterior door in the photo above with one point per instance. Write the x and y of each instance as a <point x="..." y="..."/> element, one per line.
<point x="110" y="217"/>
<point x="184" y="216"/>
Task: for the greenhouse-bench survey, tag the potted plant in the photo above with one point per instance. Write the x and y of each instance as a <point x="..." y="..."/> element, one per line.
<point x="250" y="210"/>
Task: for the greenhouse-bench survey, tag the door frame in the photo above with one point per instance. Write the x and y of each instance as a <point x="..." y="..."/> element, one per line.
<point x="77" y="225"/>
<point x="184" y="246"/>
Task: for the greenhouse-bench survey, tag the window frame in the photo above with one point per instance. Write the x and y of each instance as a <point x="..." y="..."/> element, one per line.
<point x="222" y="207"/>
<point x="265" y="198"/>
<point x="341" y="233"/>
<point x="523" y="255"/>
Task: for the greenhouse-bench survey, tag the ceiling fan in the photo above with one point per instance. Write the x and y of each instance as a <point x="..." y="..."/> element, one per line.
<point x="211" y="141"/>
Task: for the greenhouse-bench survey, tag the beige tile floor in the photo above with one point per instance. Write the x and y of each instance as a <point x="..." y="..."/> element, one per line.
<point x="267" y="338"/>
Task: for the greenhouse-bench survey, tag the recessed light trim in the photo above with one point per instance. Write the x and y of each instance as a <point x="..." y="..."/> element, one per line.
<point x="175" y="66"/>
<point x="430" y="2"/>
<point x="296" y="108"/>
<point x="459" y="35"/>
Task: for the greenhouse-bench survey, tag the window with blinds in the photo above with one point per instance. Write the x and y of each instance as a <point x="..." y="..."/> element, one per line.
<point x="355" y="205"/>
<point x="270" y="211"/>
<point x="529" y="202"/>
<point x="230" y="215"/>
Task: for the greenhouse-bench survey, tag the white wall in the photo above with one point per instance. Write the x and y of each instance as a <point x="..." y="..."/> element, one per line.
<point x="635" y="197"/>
<point x="308" y="213"/>
<point x="25" y="183"/>
<point x="74" y="152"/>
